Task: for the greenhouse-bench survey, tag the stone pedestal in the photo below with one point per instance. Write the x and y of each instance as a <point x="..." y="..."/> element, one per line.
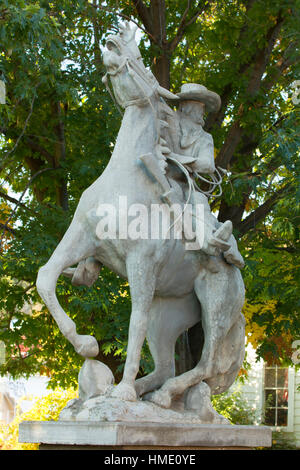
<point x="139" y="436"/>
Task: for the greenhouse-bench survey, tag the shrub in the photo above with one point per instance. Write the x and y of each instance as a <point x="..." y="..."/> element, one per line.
<point x="234" y="407"/>
<point x="44" y="409"/>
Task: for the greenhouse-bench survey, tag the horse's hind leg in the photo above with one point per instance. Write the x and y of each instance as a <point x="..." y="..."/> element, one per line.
<point x="222" y="297"/>
<point x="75" y="246"/>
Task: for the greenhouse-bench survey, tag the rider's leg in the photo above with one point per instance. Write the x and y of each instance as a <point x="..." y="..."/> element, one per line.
<point x="233" y="256"/>
<point x="204" y="223"/>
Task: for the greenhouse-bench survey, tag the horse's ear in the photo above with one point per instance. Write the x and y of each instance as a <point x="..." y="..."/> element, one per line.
<point x="134" y="29"/>
<point x="127" y="32"/>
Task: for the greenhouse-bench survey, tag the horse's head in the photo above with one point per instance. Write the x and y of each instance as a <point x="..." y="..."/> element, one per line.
<point x="122" y="44"/>
<point x="115" y="54"/>
<point x="131" y="81"/>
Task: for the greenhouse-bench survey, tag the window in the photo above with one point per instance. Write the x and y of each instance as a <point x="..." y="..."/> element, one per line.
<point x="276" y="396"/>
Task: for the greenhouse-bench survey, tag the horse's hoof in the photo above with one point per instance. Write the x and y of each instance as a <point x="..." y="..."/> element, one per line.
<point x="160" y="398"/>
<point x="124" y="392"/>
<point x="87" y="346"/>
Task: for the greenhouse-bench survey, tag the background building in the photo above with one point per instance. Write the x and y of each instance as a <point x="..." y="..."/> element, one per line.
<point x="273" y="394"/>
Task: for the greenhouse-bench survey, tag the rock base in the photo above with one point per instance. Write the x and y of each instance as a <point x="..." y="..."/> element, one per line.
<point x="105" y="408"/>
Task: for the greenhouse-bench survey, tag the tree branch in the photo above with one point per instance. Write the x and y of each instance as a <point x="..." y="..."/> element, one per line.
<point x="129" y="18"/>
<point x="282" y="64"/>
<point x="41" y="150"/>
<point x="5" y="226"/>
<point x="185" y="23"/>
<point x="288" y="249"/>
<point x="8" y="229"/>
<point x="97" y="36"/>
<point x="261" y="212"/>
<point x="236" y="131"/>
<point x="144" y="14"/>
<point x="15" y="201"/>
<point x="60" y="155"/>
<point x="181" y="27"/>
<point x="6" y="157"/>
<point x="217" y="118"/>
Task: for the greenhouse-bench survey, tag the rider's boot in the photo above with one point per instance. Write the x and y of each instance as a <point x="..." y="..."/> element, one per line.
<point x="221" y="236"/>
<point x="233" y="256"/>
<point x="228" y="246"/>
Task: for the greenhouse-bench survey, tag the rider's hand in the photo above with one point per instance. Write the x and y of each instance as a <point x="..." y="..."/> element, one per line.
<point x="206" y="168"/>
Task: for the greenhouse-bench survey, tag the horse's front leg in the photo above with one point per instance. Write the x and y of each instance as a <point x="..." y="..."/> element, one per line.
<point x="75" y="246"/>
<point x="141" y="277"/>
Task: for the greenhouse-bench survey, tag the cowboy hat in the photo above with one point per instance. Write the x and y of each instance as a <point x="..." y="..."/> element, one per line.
<point x="196" y="92"/>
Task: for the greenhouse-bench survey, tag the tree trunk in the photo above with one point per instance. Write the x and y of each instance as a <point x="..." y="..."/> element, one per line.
<point x="161" y="69"/>
<point x="161" y="60"/>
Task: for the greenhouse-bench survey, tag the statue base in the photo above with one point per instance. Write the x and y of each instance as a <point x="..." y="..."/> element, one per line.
<point x="54" y="435"/>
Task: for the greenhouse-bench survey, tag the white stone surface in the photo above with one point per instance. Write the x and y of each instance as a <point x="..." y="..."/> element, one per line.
<point x="143" y="434"/>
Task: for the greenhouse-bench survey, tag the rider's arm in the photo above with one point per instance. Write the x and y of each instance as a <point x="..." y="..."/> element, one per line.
<point x="203" y="151"/>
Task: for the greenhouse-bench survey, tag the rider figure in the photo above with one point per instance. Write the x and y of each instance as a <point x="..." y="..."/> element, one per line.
<point x="193" y="148"/>
<point x="195" y="100"/>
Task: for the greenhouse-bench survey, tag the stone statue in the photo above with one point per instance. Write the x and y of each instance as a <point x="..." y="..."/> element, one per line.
<point x="157" y="158"/>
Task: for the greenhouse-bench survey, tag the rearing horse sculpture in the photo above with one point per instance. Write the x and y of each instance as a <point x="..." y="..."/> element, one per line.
<point x="171" y="288"/>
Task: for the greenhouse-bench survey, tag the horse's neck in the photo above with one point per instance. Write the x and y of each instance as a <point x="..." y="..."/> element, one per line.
<point x="137" y="136"/>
